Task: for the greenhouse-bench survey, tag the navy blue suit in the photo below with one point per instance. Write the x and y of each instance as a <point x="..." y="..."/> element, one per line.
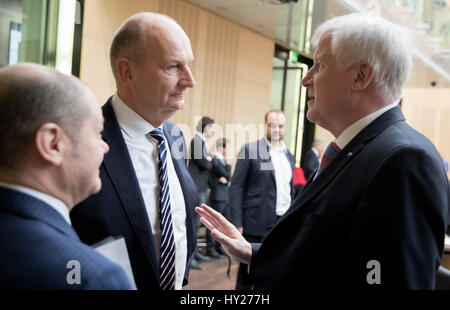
<point x="310" y="164"/>
<point x="119" y="210"/>
<point x="36" y="243"/>
<point x="199" y="166"/>
<point x="253" y="190"/>
<point x="384" y="197"/>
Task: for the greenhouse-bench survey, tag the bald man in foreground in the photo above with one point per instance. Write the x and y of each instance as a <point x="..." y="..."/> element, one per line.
<point x="148" y="195"/>
<point x="51" y="150"/>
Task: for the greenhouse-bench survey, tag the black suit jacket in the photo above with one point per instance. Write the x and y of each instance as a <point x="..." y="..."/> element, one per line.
<point x="384" y="197"/>
<point x="253" y="189"/>
<point x="199" y="166"/>
<point x="219" y="191"/>
<point x="310" y="164"/>
<point x="118" y="209"/>
<point x="37" y="243"/>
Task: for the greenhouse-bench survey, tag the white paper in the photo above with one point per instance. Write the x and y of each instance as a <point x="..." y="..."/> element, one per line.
<point x="116" y="250"/>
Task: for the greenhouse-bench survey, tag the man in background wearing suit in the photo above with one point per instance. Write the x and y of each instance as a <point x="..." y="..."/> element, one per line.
<point x="51" y="150"/>
<point x="377" y="206"/>
<point x="262" y="185"/>
<point x="220" y="180"/>
<point x="148" y="196"/>
<point x="312" y="158"/>
<point x="200" y="165"/>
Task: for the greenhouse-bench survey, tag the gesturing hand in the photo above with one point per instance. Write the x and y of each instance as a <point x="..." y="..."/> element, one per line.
<point x="226" y="234"/>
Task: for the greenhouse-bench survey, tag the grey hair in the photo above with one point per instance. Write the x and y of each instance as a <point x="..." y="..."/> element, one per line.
<point x="365" y="38"/>
<point x="131" y="39"/>
<point x="33" y="98"/>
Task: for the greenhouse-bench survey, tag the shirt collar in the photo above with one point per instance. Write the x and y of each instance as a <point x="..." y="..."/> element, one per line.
<point x="54" y="202"/>
<point x="350" y="132"/>
<point x="201" y="136"/>
<point x="131" y="123"/>
<point x="281" y="148"/>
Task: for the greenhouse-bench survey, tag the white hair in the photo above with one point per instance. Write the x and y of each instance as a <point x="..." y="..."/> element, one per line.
<point x="364" y="38"/>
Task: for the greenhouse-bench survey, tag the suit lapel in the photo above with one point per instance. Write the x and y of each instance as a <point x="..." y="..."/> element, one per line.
<point x="118" y="165"/>
<point x="314" y="188"/>
<point x="264" y="156"/>
<point x="289" y="157"/>
<point x="177" y="147"/>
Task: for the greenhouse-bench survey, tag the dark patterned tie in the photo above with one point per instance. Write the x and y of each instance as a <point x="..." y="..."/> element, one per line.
<point x="330" y="153"/>
<point x="167" y="257"/>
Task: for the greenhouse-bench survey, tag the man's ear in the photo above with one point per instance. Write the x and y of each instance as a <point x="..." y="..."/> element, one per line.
<point x="364" y="77"/>
<point x="124" y="69"/>
<point x="50" y="143"/>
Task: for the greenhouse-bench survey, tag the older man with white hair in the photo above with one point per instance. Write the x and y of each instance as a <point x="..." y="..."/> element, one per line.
<point x="374" y="213"/>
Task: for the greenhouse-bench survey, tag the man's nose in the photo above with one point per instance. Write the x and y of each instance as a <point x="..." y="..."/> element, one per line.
<point x="188" y="79"/>
<point x="308" y="79"/>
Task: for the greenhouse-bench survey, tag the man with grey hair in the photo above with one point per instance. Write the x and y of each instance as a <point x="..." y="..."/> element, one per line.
<point x="374" y="214"/>
<point x="51" y="151"/>
<point x="148" y="196"/>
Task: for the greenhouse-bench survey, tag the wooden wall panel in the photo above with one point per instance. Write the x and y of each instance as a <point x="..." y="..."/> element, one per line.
<point x="324" y="135"/>
<point x="428" y="111"/>
<point x="232" y="64"/>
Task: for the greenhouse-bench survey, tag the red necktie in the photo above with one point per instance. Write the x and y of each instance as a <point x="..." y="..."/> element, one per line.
<point x="330" y="153"/>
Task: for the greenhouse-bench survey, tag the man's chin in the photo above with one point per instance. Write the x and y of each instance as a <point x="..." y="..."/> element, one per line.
<point x="173" y="108"/>
<point x="96" y="188"/>
<point x="310" y="117"/>
<point x="179" y="105"/>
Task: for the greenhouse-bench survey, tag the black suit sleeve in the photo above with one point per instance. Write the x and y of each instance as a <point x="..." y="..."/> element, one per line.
<point x="309" y="164"/>
<point x="199" y="154"/>
<point x="238" y="187"/>
<point x="220" y="170"/>
<point x="400" y="222"/>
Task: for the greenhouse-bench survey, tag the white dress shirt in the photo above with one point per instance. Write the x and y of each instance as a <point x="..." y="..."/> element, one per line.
<point x="350" y="132"/>
<point x="144" y="153"/>
<point x="53" y="202"/>
<point x="283" y="177"/>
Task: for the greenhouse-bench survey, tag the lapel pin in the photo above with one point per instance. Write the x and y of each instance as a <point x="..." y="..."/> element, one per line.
<point x="349" y="154"/>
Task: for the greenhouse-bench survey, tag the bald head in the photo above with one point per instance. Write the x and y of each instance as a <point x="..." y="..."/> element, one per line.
<point x="138" y="35"/>
<point x="32" y="95"/>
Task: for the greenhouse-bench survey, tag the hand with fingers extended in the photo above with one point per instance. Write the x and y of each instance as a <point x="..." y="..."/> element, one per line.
<point x="226" y="234"/>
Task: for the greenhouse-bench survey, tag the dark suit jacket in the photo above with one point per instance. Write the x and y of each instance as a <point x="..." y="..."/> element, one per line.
<point x="220" y="192"/>
<point x="36" y="243"/>
<point x="119" y="210"/>
<point x="384" y="197"/>
<point x="199" y="166"/>
<point x="310" y="164"/>
<point x="253" y="189"/>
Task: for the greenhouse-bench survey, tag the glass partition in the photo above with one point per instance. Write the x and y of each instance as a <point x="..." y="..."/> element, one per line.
<point x="38" y="31"/>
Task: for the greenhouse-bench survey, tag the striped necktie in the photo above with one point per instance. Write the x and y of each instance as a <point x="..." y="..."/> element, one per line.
<point x="167" y="257"/>
<point x="330" y="153"/>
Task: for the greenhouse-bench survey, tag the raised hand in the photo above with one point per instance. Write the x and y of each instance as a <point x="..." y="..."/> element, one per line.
<point x="226" y="234"/>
